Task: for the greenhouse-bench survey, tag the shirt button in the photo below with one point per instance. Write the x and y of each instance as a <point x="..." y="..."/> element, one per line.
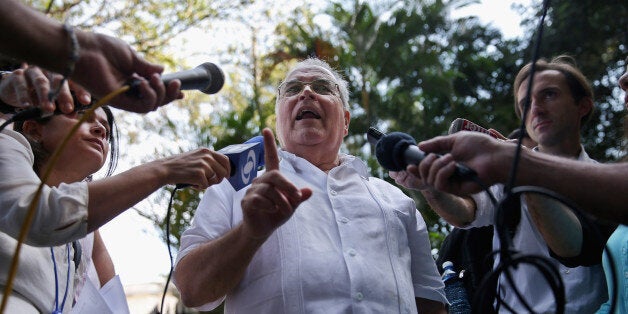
<point x="344" y="220"/>
<point x="333" y="192"/>
<point x="359" y="296"/>
<point x="567" y="271"/>
<point x="626" y="274"/>
<point x="352" y="252"/>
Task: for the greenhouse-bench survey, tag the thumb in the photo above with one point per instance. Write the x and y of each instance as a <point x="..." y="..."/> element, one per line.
<point x="306" y="193"/>
<point x="439" y="143"/>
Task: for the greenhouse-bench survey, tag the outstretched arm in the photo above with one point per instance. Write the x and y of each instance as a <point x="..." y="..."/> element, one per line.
<point x="105" y="63"/>
<point x="456" y="210"/>
<point x="599" y="189"/>
<point x="111" y="196"/>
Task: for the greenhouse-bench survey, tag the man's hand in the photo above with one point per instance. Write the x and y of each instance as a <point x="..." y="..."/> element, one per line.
<point x="107" y="63"/>
<point x="489" y="157"/>
<point x="272" y="199"/>
<point x="29" y="86"/>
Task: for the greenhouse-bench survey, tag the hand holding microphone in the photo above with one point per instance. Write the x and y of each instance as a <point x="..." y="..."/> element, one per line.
<point x="396" y="150"/>
<point x="491" y="159"/>
<point x="244" y="161"/>
<point x="207" y="78"/>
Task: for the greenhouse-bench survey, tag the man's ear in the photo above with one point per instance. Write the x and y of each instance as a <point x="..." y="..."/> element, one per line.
<point x="586" y="106"/>
<point x="32" y="130"/>
<point x="347" y="120"/>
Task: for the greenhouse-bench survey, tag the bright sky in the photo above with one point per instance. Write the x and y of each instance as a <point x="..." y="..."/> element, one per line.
<point x="137" y="251"/>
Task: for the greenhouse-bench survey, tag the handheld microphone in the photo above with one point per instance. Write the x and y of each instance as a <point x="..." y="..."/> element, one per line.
<point x="396" y="150"/>
<point x="460" y="124"/>
<point x="244" y="159"/>
<point x="373" y="135"/>
<point x="207" y="78"/>
<point x="260" y="153"/>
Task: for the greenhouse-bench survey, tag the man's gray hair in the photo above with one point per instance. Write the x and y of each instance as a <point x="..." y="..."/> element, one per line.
<point x="339" y="79"/>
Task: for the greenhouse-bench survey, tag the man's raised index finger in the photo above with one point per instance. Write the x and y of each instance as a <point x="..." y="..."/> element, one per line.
<point x="271" y="158"/>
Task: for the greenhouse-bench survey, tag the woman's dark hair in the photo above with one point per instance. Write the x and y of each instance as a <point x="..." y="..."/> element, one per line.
<point x="41" y="155"/>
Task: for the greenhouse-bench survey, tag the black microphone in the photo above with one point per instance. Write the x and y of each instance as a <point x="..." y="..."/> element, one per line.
<point x="373" y="135"/>
<point x="396" y="150"/>
<point x="207" y="78"/>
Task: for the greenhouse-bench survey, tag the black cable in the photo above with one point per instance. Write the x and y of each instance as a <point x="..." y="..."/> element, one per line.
<point x="168" y="213"/>
<point x="526" y="104"/>
<point x="509" y="207"/>
<point x="483" y="302"/>
<point x="27" y="114"/>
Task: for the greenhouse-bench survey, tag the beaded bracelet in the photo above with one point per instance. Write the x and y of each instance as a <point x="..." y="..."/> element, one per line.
<point x="73" y="58"/>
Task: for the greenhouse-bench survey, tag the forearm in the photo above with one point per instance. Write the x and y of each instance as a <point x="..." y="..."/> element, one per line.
<point x="559" y="226"/>
<point x="456" y="210"/>
<point x="111" y="196"/>
<point x="215" y="268"/>
<point x="427" y="306"/>
<point x="599" y="189"/>
<point x="40" y="40"/>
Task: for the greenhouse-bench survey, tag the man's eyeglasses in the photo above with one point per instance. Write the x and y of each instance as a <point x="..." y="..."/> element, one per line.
<point x="320" y="86"/>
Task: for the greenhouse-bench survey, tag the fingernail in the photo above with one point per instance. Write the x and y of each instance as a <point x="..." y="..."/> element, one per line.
<point x="85" y="98"/>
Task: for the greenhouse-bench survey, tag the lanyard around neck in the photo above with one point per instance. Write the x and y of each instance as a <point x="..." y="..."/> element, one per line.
<point x="58" y="310"/>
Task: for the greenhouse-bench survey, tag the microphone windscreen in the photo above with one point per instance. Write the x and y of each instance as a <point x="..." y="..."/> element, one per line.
<point x="207" y="78"/>
<point x="390" y="149"/>
<point x="216" y="75"/>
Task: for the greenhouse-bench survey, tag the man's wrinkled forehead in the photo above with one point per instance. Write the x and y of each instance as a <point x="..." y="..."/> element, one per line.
<point x="310" y="72"/>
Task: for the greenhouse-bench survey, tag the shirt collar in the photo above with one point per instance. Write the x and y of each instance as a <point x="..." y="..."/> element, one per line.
<point x="298" y="164"/>
<point x="583" y="156"/>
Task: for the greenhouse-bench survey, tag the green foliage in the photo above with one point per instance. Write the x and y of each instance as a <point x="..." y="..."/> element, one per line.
<point x="148" y="26"/>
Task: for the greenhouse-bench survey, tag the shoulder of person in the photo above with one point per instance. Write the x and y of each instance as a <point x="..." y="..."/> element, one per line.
<point x="11" y="141"/>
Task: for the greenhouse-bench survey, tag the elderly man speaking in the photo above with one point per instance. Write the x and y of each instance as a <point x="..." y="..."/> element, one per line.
<point x="314" y="233"/>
